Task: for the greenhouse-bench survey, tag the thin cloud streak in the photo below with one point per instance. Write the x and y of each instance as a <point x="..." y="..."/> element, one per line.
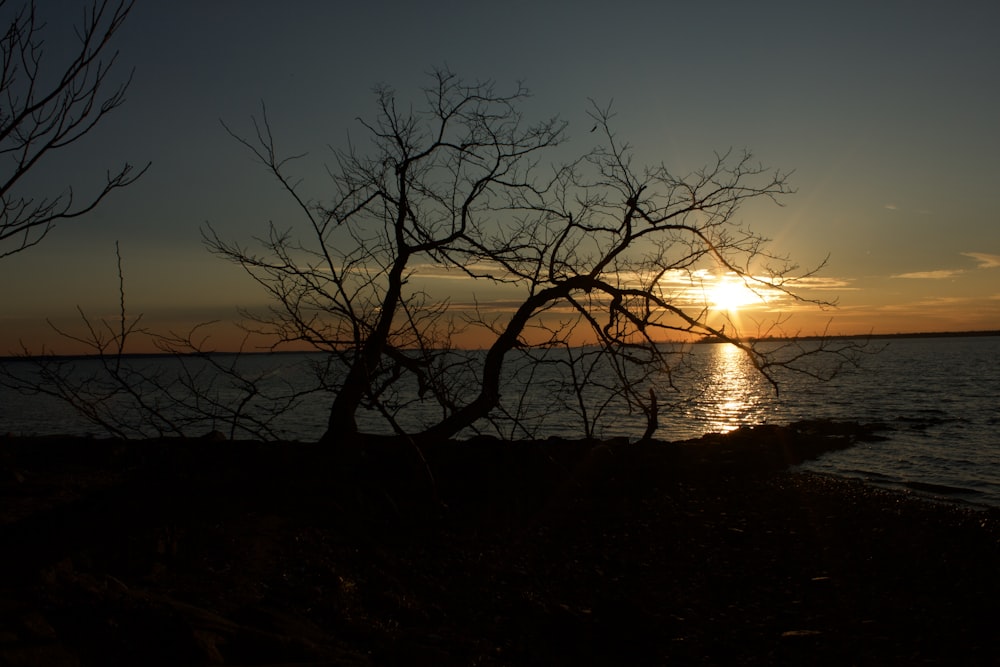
<point x="986" y="260"/>
<point x="940" y="274"/>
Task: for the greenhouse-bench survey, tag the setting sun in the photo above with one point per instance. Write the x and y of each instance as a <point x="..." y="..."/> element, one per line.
<point x="731" y="294"/>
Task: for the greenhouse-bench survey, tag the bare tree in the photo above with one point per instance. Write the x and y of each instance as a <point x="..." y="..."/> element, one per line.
<point x="45" y="107"/>
<point x="592" y="250"/>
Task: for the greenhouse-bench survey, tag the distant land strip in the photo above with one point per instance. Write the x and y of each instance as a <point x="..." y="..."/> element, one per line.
<point x="702" y="341"/>
<point x="874" y="336"/>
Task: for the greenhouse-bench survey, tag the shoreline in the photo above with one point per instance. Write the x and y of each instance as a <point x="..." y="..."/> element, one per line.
<point x="842" y="435"/>
<point x="191" y="552"/>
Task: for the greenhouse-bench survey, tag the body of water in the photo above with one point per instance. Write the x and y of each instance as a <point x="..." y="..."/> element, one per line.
<point x="937" y="398"/>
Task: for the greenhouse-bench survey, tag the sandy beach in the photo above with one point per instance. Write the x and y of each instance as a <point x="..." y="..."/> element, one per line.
<point x="202" y="552"/>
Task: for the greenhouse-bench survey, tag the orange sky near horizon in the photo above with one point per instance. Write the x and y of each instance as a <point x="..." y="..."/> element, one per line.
<point x="735" y="309"/>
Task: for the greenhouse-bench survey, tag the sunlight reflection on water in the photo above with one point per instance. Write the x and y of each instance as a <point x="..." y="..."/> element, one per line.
<point x="732" y="394"/>
<point x="936" y="398"/>
<point x="733" y="390"/>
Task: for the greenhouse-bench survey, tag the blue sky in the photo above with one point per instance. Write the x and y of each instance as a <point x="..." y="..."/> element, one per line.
<point x="886" y="111"/>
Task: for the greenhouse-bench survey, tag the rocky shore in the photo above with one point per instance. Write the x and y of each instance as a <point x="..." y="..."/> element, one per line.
<point x="715" y="551"/>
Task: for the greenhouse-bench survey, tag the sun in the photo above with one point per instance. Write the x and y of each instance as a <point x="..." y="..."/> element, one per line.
<point x="731" y="294"/>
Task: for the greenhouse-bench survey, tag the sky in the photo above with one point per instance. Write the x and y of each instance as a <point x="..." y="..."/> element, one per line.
<point x="884" y="112"/>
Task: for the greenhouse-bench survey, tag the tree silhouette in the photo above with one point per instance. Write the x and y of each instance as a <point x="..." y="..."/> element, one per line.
<point x="592" y="250"/>
<point x="46" y="108"/>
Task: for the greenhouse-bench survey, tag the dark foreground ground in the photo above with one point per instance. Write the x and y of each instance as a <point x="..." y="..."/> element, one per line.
<point x="188" y="552"/>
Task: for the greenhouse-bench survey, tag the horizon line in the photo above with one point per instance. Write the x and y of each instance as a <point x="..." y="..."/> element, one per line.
<point x="706" y="340"/>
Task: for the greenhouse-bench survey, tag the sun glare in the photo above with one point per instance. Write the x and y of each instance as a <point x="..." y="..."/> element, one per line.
<point x="730" y="295"/>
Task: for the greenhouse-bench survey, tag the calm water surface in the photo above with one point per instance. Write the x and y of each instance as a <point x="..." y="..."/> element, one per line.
<point x="938" y="399"/>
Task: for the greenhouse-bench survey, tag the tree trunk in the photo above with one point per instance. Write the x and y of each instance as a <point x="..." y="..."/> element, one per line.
<point x="342" y="422"/>
<point x="489" y="393"/>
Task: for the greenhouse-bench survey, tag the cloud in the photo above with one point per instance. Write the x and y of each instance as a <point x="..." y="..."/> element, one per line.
<point x="986" y="261"/>
<point x="822" y="283"/>
<point x="940" y="274"/>
<point x="921" y="305"/>
<point x="890" y="207"/>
